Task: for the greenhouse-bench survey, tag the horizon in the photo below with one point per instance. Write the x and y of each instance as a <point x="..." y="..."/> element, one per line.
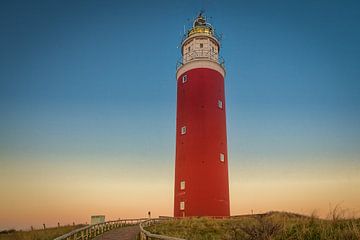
<point x="88" y="100"/>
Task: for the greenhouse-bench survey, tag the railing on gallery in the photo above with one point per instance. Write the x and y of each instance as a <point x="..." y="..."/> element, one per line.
<point x="200" y="55"/>
<point x="91" y="231"/>
<point x="146" y="235"/>
<point x="212" y="33"/>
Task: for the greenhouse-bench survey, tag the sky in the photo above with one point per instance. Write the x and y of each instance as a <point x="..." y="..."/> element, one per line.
<point x="88" y="101"/>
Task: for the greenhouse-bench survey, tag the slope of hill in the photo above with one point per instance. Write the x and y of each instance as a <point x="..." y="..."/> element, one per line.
<point x="269" y="226"/>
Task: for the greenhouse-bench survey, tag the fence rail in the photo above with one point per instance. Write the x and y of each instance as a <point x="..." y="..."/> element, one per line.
<point x="91" y="231"/>
<point x="146" y="235"/>
<point x="199" y="55"/>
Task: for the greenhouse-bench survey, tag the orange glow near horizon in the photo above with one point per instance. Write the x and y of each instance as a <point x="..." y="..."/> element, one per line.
<point x="41" y="193"/>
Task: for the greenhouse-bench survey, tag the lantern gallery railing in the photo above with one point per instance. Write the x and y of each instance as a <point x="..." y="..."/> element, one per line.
<point x="145" y="235"/>
<point x="202" y="30"/>
<point x="91" y="231"/>
<point x="200" y="55"/>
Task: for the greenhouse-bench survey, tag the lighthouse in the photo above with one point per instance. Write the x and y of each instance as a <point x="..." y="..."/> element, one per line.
<point x="201" y="161"/>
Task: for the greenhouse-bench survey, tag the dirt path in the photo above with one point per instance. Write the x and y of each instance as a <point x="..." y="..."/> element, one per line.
<point x="123" y="233"/>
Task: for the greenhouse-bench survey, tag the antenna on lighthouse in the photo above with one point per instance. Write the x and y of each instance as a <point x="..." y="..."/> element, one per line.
<point x="201" y="14"/>
<point x="202" y="11"/>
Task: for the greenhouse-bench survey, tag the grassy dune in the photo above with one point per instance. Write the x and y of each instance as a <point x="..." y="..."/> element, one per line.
<point x="44" y="234"/>
<point x="270" y="226"/>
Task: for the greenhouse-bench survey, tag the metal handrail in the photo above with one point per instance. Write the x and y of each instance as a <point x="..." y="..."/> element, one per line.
<point x="199" y="55"/>
<point x="145" y="235"/>
<point x="91" y="231"/>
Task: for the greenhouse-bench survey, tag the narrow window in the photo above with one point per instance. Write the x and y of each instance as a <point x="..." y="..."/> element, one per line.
<point x="220" y="104"/>
<point x="183" y="130"/>
<point x="184" y="79"/>
<point x="189" y="49"/>
<point x="182" y="185"/>
<point x="222" y="157"/>
<point x="182" y="205"/>
<point x="201" y="45"/>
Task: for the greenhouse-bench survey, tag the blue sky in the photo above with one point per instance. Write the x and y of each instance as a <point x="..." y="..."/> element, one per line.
<point x="94" y="81"/>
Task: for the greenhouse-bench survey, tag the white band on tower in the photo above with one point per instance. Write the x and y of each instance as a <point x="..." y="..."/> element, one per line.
<point x="199" y="63"/>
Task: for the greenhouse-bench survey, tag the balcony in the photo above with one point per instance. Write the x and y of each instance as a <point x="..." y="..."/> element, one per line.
<point x="200" y="55"/>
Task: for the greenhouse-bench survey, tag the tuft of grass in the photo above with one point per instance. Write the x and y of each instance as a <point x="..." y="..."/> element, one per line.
<point x="269" y="226"/>
<point x="43" y="234"/>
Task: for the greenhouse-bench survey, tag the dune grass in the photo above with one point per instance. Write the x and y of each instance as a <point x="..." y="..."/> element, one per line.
<point x="270" y="226"/>
<point x="43" y="234"/>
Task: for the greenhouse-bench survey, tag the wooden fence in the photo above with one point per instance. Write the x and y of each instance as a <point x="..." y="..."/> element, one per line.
<point x="146" y="235"/>
<point x="91" y="231"/>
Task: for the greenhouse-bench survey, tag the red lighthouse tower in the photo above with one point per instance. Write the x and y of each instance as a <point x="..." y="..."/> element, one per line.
<point x="201" y="164"/>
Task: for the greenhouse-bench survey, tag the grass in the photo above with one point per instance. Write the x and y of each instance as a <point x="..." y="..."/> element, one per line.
<point x="44" y="234"/>
<point x="269" y="226"/>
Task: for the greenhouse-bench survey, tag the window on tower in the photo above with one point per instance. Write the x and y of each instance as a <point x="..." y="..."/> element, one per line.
<point x="184" y="79"/>
<point x="222" y="157"/>
<point x="182" y="205"/>
<point x="183" y="130"/>
<point x="201" y="45"/>
<point x="220" y="104"/>
<point x="182" y="185"/>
